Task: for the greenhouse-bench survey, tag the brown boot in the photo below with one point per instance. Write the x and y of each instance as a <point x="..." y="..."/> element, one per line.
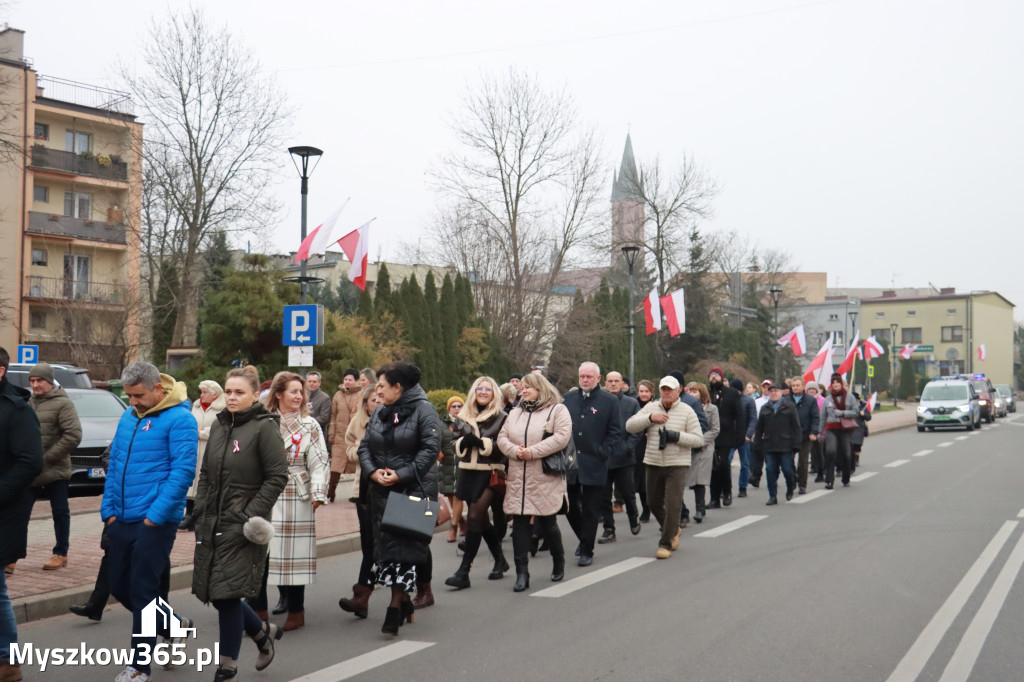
<point x="295" y="621"/>
<point x="332" y="487"/>
<point x="10" y="672"/>
<point x="359" y="604"/>
<point x="263" y="615"/>
<point x="424" y="597"/>
<point x="55" y="562"/>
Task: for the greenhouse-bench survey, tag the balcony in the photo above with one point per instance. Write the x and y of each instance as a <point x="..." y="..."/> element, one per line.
<point x="82" y="94"/>
<point x="76" y="228"/>
<point x="100" y="166"/>
<point x="74" y="291"/>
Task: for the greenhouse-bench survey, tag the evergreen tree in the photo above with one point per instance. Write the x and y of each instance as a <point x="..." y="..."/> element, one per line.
<point x="465" y="310"/>
<point x="450" y="331"/>
<point x="382" y="302"/>
<point x="908" y="380"/>
<point x="364" y="310"/>
<point x="163" y="310"/>
<point x="437" y="350"/>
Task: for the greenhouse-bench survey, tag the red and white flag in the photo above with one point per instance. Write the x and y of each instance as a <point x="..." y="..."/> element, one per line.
<point x="860" y="351"/>
<point x="675" y="312"/>
<point x="356" y="245"/>
<point x="907" y="351"/>
<point x="796" y="339"/>
<point x="319" y="239"/>
<point x="982" y="354"/>
<point x="851" y="355"/>
<point x="873" y="349"/>
<point x="821" y="366"/>
<point x="652" y="312"/>
<point x="872" y="401"/>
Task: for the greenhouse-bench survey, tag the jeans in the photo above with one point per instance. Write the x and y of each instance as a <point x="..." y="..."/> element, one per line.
<point x="622" y="479"/>
<point x="665" y="495"/>
<point x="744" y="451"/>
<point x="235" y="616"/>
<point x="584" y="513"/>
<point x="138" y="556"/>
<point x="772" y="460"/>
<point x="8" y="624"/>
<point x="57" y="493"/>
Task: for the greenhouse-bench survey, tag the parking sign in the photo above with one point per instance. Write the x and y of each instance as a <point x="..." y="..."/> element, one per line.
<point x="28" y="354"/>
<point x="303" y="325"/>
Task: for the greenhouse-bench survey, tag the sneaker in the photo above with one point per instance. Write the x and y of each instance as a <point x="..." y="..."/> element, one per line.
<point x="743" y="492"/>
<point x="802" y="491"/>
<point x="663" y="553"/>
<point x="130" y="674"/>
<point x="55" y="562"/>
<point x="608" y="536"/>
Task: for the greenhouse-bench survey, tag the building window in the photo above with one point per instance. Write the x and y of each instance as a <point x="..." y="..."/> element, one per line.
<point x="837" y="337"/>
<point x="881" y="334"/>
<point x="951" y="312"/>
<point x="76" y="276"/>
<point x="952" y="334"/>
<point x="42" y="131"/>
<point x="36" y="318"/>
<point x="77" y="142"/>
<point x="41" y="193"/>
<point x="910" y="335"/>
<point x="879" y="315"/>
<point x="832" y="317"/>
<point x="911" y="313"/>
<point x="39" y="257"/>
<point x="78" y="205"/>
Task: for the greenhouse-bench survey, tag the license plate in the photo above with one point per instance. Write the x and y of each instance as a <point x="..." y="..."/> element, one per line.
<point x="942" y="418"/>
<point x="97" y="472"/>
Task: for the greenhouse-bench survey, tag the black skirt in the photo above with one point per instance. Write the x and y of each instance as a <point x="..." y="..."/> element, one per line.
<point x="472" y="484"/>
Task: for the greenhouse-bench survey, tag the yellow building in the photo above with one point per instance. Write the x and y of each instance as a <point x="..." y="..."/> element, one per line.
<point x="948" y="328"/>
<point x="70" y="198"/>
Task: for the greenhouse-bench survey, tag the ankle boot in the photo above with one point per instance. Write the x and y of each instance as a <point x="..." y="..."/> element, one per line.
<point x="227" y="670"/>
<point x="360" y="601"/>
<point x="698" y="493"/>
<point x="424" y="596"/>
<point x="460" y="579"/>
<point x="88" y="610"/>
<point x="295" y="620"/>
<point x="332" y="487"/>
<point x="406" y="608"/>
<point x="500" y="562"/>
<point x="392" y="621"/>
<point x="522" y="582"/>
<point x="265" y="644"/>
<point x="557" y="556"/>
<point x="282" y="603"/>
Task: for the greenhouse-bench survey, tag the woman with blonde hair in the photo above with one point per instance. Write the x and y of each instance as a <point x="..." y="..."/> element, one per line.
<point x="205" y="410"/>
<point x="698" y="477"/>
<point x="293" y="548"/>
<point x="481" y="483"/>
<point x="538" y="427"/>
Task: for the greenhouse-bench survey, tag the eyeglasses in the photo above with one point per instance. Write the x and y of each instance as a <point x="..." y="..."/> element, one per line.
<point x="457" y="406"/>
<point x="484" y="389"/>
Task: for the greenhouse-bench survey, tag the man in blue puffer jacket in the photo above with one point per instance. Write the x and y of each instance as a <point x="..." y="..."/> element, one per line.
<point x="152" y="464"/>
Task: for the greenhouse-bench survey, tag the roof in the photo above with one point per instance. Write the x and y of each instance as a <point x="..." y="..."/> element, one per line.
<point x="935" y="297"/>
<point x="621" y="183"/>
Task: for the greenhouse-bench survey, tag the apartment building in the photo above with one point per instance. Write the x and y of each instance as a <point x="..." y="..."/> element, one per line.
<point x="70" y="198"/>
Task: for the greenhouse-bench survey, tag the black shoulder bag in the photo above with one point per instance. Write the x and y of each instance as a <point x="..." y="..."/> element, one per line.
<point x="559" y="463"/>
<point x="410" y="516"/>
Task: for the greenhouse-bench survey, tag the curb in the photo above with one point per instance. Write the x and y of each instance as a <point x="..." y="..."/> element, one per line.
<point x="50" y="604"/>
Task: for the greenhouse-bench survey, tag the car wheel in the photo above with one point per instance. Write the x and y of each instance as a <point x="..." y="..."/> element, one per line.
<point x="970" y="426"/>
<point x="989" y="418"/>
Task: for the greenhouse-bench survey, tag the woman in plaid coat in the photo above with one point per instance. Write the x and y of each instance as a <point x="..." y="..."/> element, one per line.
<point x="293" y="549"/>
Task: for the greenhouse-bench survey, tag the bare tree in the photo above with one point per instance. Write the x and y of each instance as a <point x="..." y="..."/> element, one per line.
<point x="214" y="125"/>
<point x="520" y="194"/>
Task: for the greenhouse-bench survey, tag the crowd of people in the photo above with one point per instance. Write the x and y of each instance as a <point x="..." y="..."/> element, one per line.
<point x="248" y="464"/>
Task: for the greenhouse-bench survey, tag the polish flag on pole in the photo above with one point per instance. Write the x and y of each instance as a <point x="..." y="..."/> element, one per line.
<point x="907" y="351"/>
<point x="356" y="245"/>
<point x="860" y="351"/>
<point x="319" y="239"/>
<point x="796" y="339"/>
<point x="872" y="401"/>
<point x="982" y="354"/>
<point x="675" y="312"/>
<point x="851" y="355"/>
<point x="652" y="312"/>
<point x="821" y="366"/>
<point x="873" y="349"/>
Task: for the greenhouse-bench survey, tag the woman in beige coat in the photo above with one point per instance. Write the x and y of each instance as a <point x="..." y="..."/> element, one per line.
<point x="539" y="426"/>
<point x="205" y="410"/>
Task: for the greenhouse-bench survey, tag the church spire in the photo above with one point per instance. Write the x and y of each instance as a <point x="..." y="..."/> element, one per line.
<point x="622" y="185"/>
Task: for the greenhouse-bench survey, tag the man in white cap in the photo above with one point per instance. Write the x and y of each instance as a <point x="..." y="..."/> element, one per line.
<point x="756" y="453"/>
<point x="673" y="430"/>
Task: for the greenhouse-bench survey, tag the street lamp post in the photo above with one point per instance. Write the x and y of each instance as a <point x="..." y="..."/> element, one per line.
<point x="630" y="253"/>
<point x="775" y="292"/>
<point x="892" y="352"/>
<point x="853" y="323"/>
<point x="301" y="157"/>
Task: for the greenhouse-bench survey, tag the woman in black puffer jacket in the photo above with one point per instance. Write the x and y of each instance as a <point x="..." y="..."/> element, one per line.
<point x="402" y="441"/>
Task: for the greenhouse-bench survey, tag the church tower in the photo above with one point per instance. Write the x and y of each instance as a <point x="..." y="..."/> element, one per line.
<point x="627" y="210"/>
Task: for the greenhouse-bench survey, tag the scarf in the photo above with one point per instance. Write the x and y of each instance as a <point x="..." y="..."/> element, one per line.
<point x="529" y="405"/>
<point x="839" y="398"/>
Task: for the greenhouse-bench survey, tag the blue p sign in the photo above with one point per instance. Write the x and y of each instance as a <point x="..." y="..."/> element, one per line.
<point x="28" y="354"/>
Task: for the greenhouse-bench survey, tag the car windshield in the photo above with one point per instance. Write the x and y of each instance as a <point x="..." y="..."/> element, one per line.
<point x="980" y="386"/>
<point x="1004" y="390"/>
<point x="97" y="404"/>
<point x="944" y="392"/>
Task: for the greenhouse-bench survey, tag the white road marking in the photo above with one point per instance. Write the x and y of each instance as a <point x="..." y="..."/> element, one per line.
<point x="960" y="438"/>
<point x="966" y="654"/>
<point x="922" y="649"/>
<point x="361" y="664"/>
<point x="1020" y="514"/>
<point x="731" y="526"/>
<point x="801" y="499"/>
<point x="944" y="445"/>
<point x="897" y="463"/>
<point x="592" y="578"/>
<point x="863" y="477"/>
<point x="922" y="453"/>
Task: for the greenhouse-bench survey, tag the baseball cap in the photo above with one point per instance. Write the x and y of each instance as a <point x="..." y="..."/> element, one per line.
<point x="669" y="382"/>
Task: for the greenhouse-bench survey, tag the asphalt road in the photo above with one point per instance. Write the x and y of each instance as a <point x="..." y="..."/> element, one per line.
<point x="912" y="573"/>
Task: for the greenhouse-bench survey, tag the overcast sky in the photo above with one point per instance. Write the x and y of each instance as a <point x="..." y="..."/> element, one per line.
<point x="878" y="140"/>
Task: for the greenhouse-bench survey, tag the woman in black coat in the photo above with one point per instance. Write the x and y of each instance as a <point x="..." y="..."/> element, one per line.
<point x="399" y="452"/>
<point x="244" y="472"/>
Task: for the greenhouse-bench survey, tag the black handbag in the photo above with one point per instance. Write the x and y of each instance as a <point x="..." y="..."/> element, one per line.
<point x="563" y="462"/>
<point x="410" y="516"/>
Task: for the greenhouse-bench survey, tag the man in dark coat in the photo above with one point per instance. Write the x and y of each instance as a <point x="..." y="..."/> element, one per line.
<point x="778" y="435"/>
<point x="733" y="435"/>
<point x="807" y="411"/>
<point x="596" y="431"/>
<point x="750" y="412"/>
<point x="621" y="464"/>
<point x="319" y="402"/>
<point x="21" y="460"/>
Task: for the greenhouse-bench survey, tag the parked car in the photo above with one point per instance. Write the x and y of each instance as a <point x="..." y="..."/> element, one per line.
<point x="99" y="411"/>
<point x="1008" y="396"/>
<point x="67" y="376"/>
<point x="949" y="403"/>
